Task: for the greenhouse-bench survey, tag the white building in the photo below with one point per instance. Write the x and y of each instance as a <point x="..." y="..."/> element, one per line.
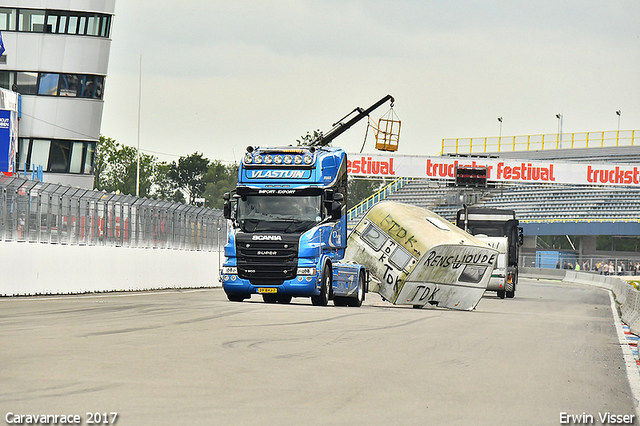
<point x="56" y="56"/>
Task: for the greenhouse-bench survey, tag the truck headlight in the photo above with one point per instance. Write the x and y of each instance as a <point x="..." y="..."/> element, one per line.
<point x="230" y="270"/>
<point x="248" y="158"/>
<point x="306" y="271"/>
<point x="308" y="159"/>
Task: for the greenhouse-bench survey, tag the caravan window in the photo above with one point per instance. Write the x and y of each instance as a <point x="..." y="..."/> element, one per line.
<point x="374" y="237"/>
<point x="472" y="274"/>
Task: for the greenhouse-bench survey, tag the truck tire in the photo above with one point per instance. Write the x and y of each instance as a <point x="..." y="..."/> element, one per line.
<point x="510" y="290"/>
<point x="327" y="281"/>
<point x="357" y="300"/>
<point x="500" y="294"/>
<point x="237" y="297"/>
<point x="270" y="298"/>
<point x="284" y="299"/>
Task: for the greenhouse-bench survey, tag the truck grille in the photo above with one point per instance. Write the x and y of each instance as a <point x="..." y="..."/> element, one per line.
<point x="267" y="262"/>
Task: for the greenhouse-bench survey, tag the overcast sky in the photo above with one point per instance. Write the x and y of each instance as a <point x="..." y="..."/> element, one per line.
<point x="220" y="75"/>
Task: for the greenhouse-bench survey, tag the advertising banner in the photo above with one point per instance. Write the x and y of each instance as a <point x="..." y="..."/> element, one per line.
<point x="8" y="131"/>
<point x="498" y="169"/>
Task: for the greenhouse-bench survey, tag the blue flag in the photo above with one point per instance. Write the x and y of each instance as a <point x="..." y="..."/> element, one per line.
<point x="1" y="45"/>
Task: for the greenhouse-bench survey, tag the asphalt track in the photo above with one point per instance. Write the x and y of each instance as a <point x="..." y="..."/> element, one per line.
<point x="193" y="358"/>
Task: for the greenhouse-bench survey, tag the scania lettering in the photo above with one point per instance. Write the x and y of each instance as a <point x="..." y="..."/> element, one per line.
<point x="289" y="231"/>
<point x="266" y="238"/>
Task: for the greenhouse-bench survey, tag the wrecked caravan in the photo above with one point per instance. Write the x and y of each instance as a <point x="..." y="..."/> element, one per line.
<point x="416" y="257"/>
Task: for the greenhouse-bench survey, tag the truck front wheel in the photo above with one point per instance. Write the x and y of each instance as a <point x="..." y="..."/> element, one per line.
<point x="238" y="297"/>
<point x="327" y="281"/>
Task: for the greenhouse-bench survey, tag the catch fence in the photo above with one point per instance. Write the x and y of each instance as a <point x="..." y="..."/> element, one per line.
<point x="40" y="212"/>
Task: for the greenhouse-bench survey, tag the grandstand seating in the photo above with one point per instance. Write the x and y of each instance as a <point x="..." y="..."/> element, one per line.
<point x="537" y="202"/>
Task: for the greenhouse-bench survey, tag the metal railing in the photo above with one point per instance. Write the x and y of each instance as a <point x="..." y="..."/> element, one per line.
<point x="40" y="212"/>
<point x="540" y="142"/>
<point x="365" y="205"/>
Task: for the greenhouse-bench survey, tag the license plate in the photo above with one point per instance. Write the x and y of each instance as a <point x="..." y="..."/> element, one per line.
<point x="267" y="290"/>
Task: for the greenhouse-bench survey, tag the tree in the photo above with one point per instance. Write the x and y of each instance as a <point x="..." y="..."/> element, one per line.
<point x="116" y="168"/>
<point x="359" y="189"/>
<point x="309" y="138"/>
<point x="189" y="173"/>
<point x="165" y="188"/>
<point x="220" y="178"/>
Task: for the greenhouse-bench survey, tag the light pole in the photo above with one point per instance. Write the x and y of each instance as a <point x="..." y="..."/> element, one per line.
<point x="500" y="137"/>
<point x="559" y="117"/>
<point x="618" y="113"/>
<point x="218" y="244"/>
<point x="138" y="150"/>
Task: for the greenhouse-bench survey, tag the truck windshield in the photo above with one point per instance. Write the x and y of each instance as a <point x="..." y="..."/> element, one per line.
<point x="489" y="231"/>
<point x="279" y="213"/>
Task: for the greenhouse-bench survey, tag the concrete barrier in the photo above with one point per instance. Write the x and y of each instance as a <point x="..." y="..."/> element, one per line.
<point x="626" y="295"/>
<point x="33" y="269"/>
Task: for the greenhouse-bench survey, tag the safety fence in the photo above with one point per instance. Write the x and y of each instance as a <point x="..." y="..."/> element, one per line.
<point x="41" y="212"/>
<point x="540" y="142"/>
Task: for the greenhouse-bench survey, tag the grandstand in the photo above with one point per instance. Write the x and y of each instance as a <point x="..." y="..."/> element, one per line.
<point x="567" y="218"/>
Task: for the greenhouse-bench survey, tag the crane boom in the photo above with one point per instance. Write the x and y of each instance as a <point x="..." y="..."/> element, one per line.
<point x="342" y="126"/>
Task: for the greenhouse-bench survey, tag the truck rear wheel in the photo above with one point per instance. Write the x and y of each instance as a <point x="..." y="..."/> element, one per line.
<point x="327" y="281"/>
<point x="500" y="294"/>
<point x="357" y="300"/>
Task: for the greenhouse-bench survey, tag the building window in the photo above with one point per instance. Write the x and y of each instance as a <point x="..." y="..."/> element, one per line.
<point x="56" y="22"/>
<point x="52" y="24"/>
<point x="59" y="156"/>
<point x="93" y="25"/>
<point x="106" y="25"/>
<point x="73" y="24"/>
<point x="23" y="154"/>
<point x="52" y="84"/>
<point x="69" y="84"/>
<point x="7" y="19"/>
<point x="77" y="151"/>
<point x="26" y="83"/>
<point x="48" y="84"/>
<point x="31" y="20"/>
<point x="56" y="156"/>
<point x="39" y="155"/>
<point x="6" y="79"/>
<point x="89" y="158"/>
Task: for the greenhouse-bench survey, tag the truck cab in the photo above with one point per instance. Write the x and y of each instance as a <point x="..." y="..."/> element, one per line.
<point x="289" y="228"/>
<point x="498" y="229"/>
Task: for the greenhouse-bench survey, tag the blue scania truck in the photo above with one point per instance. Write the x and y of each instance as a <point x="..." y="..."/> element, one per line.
<point x="289" y="231"/>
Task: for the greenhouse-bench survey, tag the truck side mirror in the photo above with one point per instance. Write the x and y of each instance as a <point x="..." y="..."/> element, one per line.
<point x="226" y="210"/>
<point x="520" y="236"/>
<point x="336" y="206"/>
<point x="336" y="210"/>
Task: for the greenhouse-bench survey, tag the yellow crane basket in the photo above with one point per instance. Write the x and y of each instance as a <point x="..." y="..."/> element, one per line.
<point x="387" y="132"/>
